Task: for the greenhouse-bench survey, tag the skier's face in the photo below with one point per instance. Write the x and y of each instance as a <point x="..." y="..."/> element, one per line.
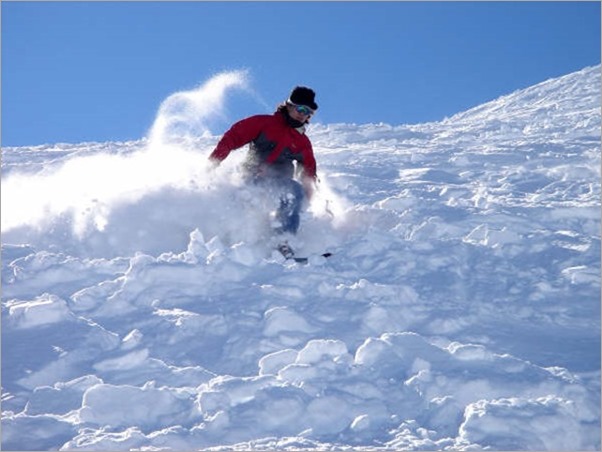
<point x="299" y="113"/>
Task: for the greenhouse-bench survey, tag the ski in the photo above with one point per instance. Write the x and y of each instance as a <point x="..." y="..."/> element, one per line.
<point x="305" y="260"/>
<point x="289" y="254"/>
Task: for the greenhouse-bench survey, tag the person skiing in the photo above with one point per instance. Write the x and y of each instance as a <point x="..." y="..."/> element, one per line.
<point x="280" y="157"/>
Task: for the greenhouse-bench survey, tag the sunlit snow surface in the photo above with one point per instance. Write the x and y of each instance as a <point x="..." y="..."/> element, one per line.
<point x="143" y="308"/>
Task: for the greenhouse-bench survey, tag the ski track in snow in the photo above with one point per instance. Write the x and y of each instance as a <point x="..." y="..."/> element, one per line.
<point x="142" y="307"/>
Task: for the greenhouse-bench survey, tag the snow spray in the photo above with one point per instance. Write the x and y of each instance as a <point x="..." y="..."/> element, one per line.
<point x="185" y="114"/>
<point x="95" y="192"/>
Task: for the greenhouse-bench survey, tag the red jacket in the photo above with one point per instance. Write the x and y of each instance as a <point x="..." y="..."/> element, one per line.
<point x="274" y="145"/>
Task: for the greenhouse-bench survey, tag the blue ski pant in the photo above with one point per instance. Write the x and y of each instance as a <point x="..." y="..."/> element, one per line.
<point x="289" y="195"/>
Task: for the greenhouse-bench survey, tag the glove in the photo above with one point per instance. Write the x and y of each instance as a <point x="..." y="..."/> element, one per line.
<point x="213" y="164"/>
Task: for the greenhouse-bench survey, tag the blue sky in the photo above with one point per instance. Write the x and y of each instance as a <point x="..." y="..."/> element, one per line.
<point x="98" y="71"/>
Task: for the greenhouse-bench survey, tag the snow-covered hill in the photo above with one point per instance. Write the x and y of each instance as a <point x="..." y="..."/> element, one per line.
<point x="142" y="307"/>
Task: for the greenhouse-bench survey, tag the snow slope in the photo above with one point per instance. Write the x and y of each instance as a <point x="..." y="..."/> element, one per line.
<point x="142" y="307"/>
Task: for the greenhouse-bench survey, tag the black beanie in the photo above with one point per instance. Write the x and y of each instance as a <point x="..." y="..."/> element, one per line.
<point x="301" y="95"/>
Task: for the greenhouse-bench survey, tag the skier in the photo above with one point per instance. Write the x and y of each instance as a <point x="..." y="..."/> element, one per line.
<point x="280" y="157"/>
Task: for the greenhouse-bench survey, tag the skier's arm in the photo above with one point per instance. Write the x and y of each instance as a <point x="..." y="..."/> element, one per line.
<point x="308" y="177"/>
<point x="309" y="186"/>
<point x="237" y="136"/>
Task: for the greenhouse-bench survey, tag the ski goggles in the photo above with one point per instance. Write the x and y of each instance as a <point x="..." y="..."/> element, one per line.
<point x="302" y="109"/>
